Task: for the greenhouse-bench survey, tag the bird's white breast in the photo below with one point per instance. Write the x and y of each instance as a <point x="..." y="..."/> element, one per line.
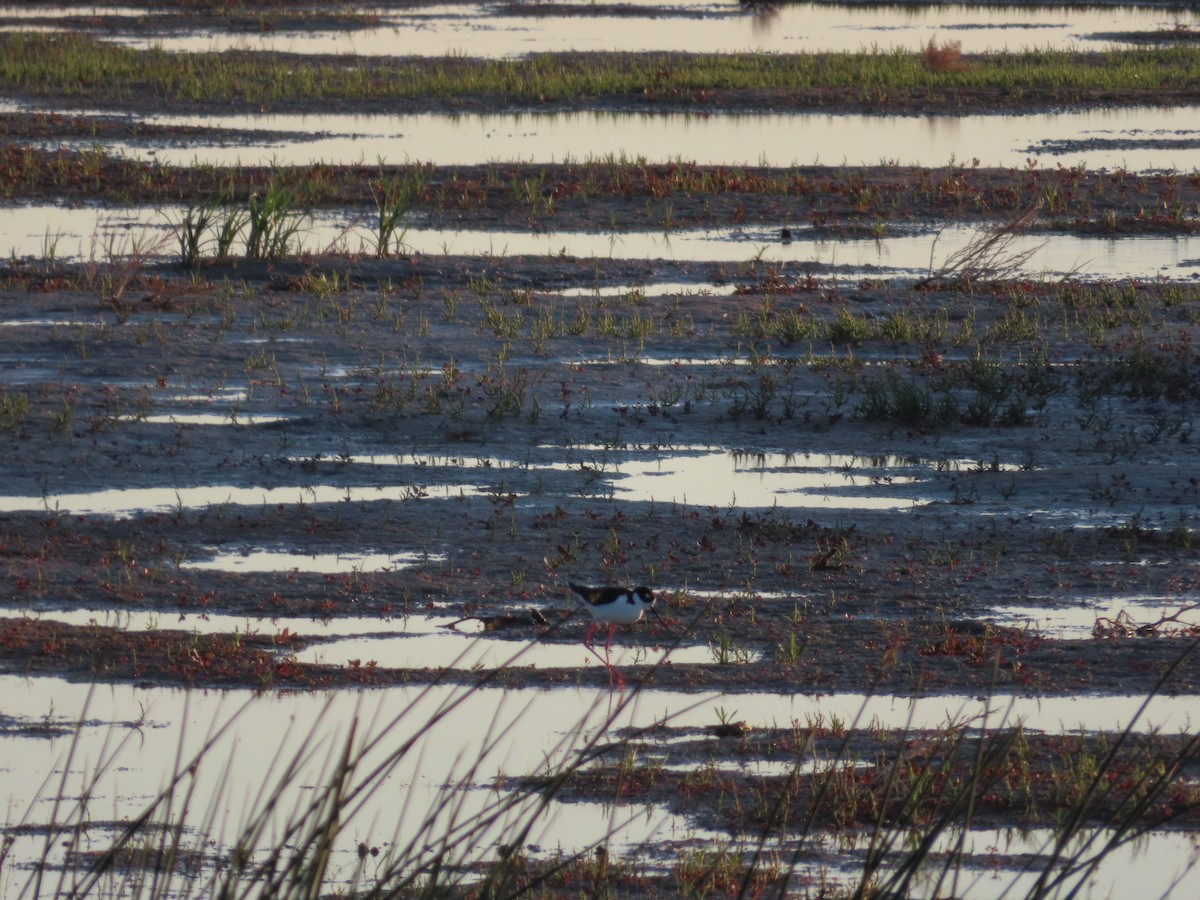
<point x="625" y="610"/>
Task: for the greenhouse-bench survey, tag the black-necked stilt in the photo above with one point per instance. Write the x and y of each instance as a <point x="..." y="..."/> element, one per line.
<point x="616" y="606"/>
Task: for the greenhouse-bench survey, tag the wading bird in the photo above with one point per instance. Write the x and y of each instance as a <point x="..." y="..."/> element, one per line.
<point x="616" y="606"/>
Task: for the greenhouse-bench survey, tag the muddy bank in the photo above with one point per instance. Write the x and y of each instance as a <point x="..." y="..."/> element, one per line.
<point x="837" y="202"/>
<point x="833" y="100"/>
<point x="876" y="657"/>
<point x="443" y="408"/>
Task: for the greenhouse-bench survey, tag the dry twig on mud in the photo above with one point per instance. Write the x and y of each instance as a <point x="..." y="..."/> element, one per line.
<point x="1123" y="625"/>
<point x="991" y="256"/>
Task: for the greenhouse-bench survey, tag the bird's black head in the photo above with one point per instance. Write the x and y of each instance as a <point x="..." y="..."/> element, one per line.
<point x="645" y="594"/>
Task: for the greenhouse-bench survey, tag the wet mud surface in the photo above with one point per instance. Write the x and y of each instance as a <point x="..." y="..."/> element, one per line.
<point x="1051" y="482"/>
<point x="835" y="482"/>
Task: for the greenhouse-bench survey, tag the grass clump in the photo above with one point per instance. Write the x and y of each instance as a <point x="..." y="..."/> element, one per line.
<point x="14" y="408"/>
<point x="274" y="223"/>
<point x="907" y="402"/>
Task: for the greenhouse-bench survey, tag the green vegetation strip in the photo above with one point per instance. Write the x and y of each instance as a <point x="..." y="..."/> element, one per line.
<point x="68" y="65"/>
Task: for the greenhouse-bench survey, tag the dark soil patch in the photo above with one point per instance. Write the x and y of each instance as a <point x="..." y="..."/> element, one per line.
<point x="50" y="126"/>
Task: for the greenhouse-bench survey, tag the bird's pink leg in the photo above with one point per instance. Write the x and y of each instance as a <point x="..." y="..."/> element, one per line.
<point x="587" y="642"/>
<point x="612" y="671"/>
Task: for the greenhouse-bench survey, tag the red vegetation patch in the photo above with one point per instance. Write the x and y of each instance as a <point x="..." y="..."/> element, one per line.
<point x="945" y="57"/>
